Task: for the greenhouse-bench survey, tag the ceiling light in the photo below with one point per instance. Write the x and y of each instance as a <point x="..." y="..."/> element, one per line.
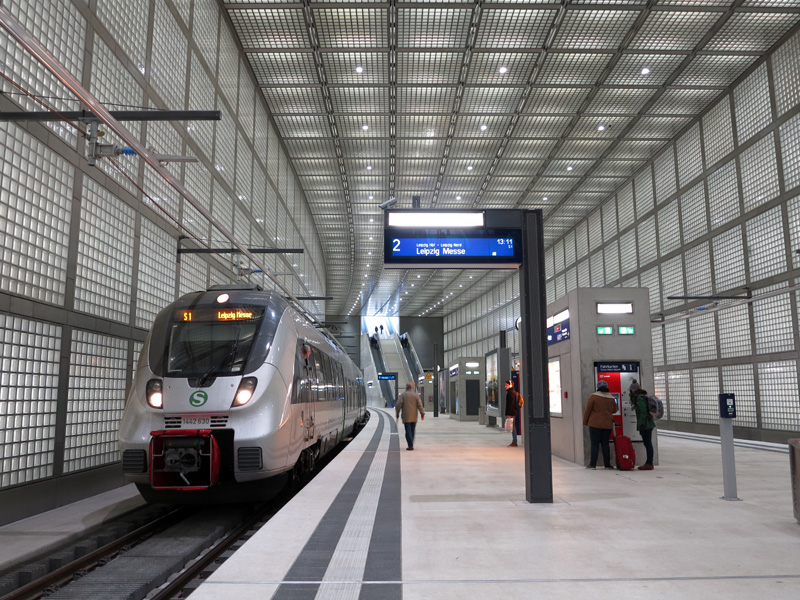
<point x="417" y="276"/>
<point x="545" y="198"/>
<point x="365" y="127"/>
<point x="412" y="285"/>
<point x="370" y="237"/>
<point x="371" y="221"/>
<point x="359" y="69"/>
<point x="372" y="197"/>
<point x="484" y="127"/>
<point x="601" y="128"/>
<point x="645" y="71"/>
<point x="458" y="197"/>
<point x="369" y="167"/>
<point x="460" y="285"/>
<point x="469" y="167"/>
<point x="569" y="167"/>
<point x="503" y="70"/>
<point x="370" y="253"/>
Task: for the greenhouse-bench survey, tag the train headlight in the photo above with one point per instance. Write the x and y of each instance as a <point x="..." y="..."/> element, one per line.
<point x="245" y="392"/>
<point x="155" y="398"/>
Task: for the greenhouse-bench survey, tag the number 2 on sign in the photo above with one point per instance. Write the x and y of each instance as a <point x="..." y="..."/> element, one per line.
<point x="396" y="245"/>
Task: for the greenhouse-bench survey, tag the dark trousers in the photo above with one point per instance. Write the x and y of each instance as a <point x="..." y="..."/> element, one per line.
<point x="410" y="430"/>
<point x="599" y="437"/>
<point x="647" y="438"/>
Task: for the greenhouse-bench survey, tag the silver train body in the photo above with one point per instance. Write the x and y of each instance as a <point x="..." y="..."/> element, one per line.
<point x="234" y="390"/>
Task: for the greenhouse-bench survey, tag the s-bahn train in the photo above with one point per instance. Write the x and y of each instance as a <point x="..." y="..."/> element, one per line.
<point x="234" y="392"/>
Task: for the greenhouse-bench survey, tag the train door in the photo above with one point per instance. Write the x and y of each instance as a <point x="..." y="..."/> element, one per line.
<point x="340" y="394"/>
<point x="309" y="422"/>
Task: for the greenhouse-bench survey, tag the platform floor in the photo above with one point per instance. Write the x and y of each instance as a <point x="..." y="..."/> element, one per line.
<point x="34" y="536"/>
<point x="450" y="521"/>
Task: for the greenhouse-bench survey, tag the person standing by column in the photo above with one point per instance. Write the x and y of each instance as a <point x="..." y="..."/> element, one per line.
<point x="513" y="404"/>
<point x="410" y="403"/>
<point x="598" y="416"/>
<point x="645" y="424"/>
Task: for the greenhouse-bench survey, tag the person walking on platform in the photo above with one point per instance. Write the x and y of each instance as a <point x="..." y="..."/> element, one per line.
<point x="409" y="402"/>
<point x="513" y="405"/>
<point x="645" y="424"/>
<point x="598" y="417"/>
<point x="381" y="330"/>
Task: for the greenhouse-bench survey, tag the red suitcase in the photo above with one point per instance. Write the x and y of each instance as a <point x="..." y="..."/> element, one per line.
<point x="626" y="457"/>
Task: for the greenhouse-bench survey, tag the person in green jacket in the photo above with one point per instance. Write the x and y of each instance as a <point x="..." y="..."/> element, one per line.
<point x="645" y="424"/>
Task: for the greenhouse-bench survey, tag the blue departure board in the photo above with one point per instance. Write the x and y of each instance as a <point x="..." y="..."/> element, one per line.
<point x="478" y="248"/>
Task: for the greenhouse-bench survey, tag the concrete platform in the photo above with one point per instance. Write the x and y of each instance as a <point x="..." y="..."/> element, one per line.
<point x="450" y="520"/>
<point x="34" y="536"/>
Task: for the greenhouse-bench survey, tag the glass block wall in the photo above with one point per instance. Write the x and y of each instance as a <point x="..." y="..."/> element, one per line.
<point x="717" y="211"/>
<point x="89" y="253"/>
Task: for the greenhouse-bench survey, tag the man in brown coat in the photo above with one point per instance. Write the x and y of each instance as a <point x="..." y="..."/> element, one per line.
<point x="598" y="417"/>
<point x="409" y="402"/>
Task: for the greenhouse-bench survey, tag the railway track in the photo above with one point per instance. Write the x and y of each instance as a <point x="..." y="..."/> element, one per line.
<point x="155" y="553"/>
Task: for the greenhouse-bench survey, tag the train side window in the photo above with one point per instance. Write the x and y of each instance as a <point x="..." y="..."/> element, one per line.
<point x="321" y="378"/>
<point x="303" y="374"/>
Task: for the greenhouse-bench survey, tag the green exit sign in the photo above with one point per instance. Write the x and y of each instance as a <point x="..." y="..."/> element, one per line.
<point x="601" y="330"/>
<point x="625" y="330"/>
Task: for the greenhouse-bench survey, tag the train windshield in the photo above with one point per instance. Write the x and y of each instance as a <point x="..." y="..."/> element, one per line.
<point x="208" y="343"/>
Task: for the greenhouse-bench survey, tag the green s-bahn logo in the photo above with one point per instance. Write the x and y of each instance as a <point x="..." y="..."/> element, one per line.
<point x="198" y="398"/>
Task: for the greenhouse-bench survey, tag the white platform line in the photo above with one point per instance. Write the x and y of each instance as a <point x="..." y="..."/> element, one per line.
<point x="346" y="569"/>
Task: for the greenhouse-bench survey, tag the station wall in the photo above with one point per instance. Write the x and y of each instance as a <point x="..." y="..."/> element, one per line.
<point x="89" y="254"/>
<point x="717" y="212"/>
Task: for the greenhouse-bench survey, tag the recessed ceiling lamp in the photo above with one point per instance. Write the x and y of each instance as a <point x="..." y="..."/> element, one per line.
<point x="359" y="69"/>
<point x="484" y="127"/>
<point x="503" y="70"/>
<point x="645" y="71"/>
<point x="601" y="128"/>
<point x="371" y="221"/>
<point x="369" y="167"/>
<point x="365" y="127"/>
<point x="370" y="237"/>
<point x="469" y="167"/>
<point x="569" y="167"/>
<point x="458" y="197"/>
<point x="371" y="197"/>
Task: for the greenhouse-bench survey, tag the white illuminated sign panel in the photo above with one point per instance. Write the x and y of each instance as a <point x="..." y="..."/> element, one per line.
<point x="620" y="308"/>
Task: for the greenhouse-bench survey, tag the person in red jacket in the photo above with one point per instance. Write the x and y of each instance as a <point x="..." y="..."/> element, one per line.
<point x="598" y="417"/>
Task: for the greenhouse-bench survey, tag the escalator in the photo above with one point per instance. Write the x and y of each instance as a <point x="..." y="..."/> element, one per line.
<point x="387" y="389"/>
<point x="411" y="357"/>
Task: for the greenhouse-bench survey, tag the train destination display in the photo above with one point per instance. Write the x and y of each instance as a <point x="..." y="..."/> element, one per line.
<point x="481" y="248"/>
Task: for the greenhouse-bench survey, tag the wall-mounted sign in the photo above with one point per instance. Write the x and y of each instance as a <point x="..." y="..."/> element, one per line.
<point x="625" y="330"/>
<point x="387" y="377"/>
<point x="617" y="367"/>
<point x="605" y="330"/>
<point x="454" y="371"/>
<point x="558" y="332"/>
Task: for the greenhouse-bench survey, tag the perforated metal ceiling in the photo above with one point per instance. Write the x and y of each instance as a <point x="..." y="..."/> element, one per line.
<point x="389" y="99"/>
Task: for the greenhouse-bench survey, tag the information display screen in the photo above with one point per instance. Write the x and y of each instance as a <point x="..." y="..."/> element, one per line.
<point x="217" y="314"/>
<point x="437" y="248"/>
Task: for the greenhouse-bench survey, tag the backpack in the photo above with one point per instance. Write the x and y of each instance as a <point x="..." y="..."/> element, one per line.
<point x="520" y="400"/>
<point x="655" y="407"/>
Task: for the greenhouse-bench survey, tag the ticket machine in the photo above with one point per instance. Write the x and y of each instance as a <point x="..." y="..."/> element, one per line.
<point x="594" y="334"/>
